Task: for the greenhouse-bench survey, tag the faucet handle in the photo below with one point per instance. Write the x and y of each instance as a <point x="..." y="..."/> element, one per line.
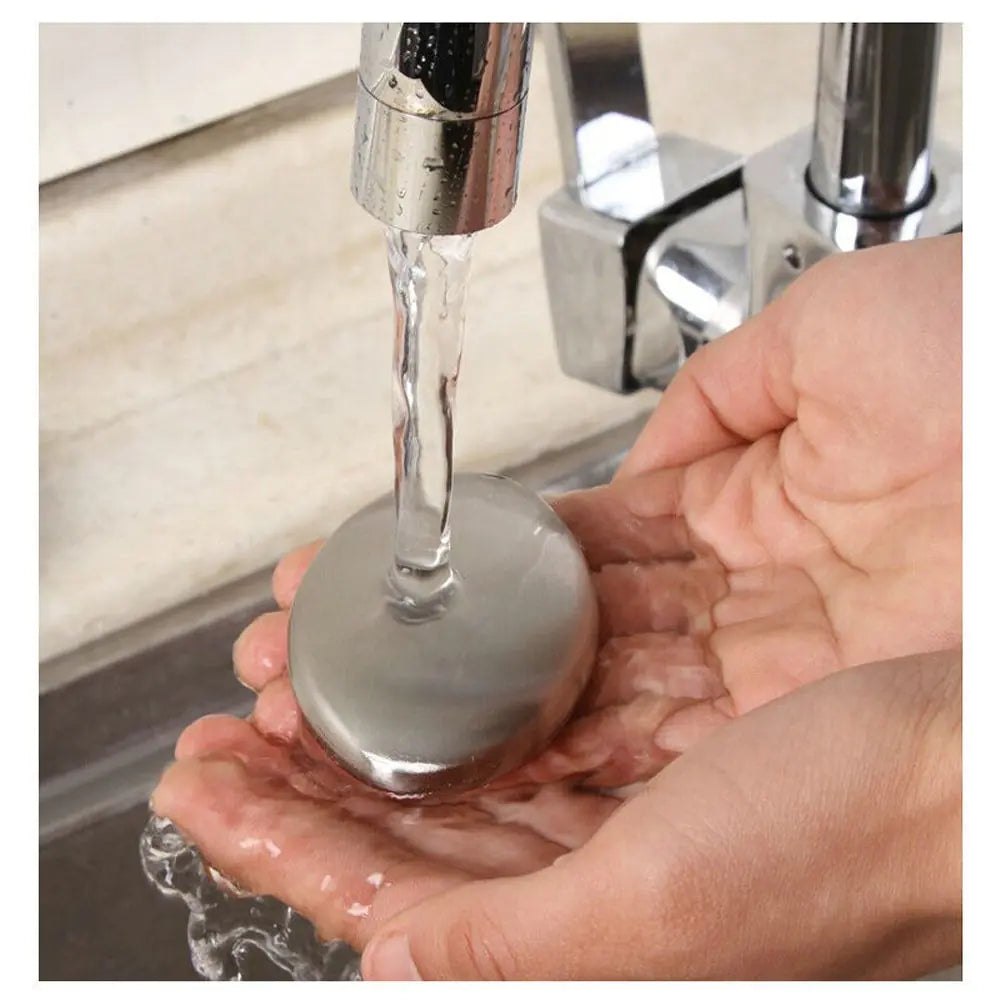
<point x="593" y="252"/>
<point x="623" y="185"/>
<point x="599" y="96"/>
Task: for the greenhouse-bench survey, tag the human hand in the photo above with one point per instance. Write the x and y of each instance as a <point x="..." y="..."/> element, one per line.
<point x="793" y="507"/>
<point x="817" y="837"/>
<point x="279" y="822"/>
<point x="704" y="574"/>
<point x="822" y="448"/>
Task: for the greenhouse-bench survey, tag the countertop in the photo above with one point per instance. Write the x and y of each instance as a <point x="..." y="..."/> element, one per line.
<point x="216" y="330"/>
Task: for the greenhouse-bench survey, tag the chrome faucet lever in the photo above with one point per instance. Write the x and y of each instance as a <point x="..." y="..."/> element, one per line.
<point x="624" y="184"/>
<point x="599" y="94"/>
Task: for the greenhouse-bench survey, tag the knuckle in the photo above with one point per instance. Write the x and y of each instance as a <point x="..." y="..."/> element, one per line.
<point x="480" y="949"/>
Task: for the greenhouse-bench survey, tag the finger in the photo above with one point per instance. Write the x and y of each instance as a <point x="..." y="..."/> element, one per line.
<point x="633" y="521"/>
<point x="659" y="597"/>
<point x="210" y="734"/>
<point x="260" y="654"/>
<point x="289" y="572"/>
<point x="730" y="392"/>
<point x="224" y="734"/>
<point x="343" y="875"/>
<point x="478" y="935"/>
<point x="557" y="812"/>
<point x="663" y="664"/>
<point x="609" y="748"/>
<point x="276" y="713"/>
<point x="580" y="918"/>
<point x="682" y="731"/>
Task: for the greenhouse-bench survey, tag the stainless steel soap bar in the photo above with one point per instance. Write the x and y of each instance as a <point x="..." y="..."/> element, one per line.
<point x="456" y="701"/>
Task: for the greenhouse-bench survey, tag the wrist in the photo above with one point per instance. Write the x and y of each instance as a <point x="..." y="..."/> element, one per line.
<point x="939" y="778"/>
<point x="924" y="884"/>
<point x="846" y="794"/>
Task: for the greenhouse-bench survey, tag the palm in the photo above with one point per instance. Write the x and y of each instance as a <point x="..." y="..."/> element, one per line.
<point x="281" y="822"/>
<point x="732" y="563"/>
<point x="822" y="452"/>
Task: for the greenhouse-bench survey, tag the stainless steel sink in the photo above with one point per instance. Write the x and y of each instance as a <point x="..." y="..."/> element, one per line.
<point x="109" y="714"/>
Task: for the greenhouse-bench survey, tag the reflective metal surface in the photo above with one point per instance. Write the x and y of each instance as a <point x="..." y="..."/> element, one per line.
<point x="642" y="246"/>
<point x="871" y="151"/>
<point x="693" y="288"/>
<point x="623" y="184"/>
<point x="599" y="96"/>
<point x="790" y="229"/>
<point x="595" y="316"/>
<point x="651" y="249"/>
<point x="99" y="919"/>
<point x="438" y="124"/>
<point x="455" y="701"/>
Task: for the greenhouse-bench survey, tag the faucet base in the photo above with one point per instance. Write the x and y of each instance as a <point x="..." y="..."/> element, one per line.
<point x="791" y="229"/>
<point x="706" y="273"/>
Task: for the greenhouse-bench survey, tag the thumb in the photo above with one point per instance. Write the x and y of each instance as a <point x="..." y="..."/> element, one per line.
<point x="729" y="392"/>
<point x="557" y="923"/>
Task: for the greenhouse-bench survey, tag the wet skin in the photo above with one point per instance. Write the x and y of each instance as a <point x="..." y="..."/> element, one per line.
<point x="792" y="509"/>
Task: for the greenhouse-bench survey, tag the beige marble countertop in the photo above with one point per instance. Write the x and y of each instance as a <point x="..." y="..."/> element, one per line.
<point x="216" y="332"/>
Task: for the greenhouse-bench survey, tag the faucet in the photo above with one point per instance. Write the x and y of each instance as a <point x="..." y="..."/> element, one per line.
<point x="657" y="243"/>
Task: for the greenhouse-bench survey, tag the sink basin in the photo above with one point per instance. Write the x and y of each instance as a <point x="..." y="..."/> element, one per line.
<point x="109" y="715"/>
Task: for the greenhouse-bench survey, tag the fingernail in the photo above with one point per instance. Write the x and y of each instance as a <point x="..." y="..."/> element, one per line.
<point x="390" y="960"/>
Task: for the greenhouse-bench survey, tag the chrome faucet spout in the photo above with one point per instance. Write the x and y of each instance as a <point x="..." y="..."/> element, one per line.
<point x="656" y="243"/>
<point x="438" y="127"/>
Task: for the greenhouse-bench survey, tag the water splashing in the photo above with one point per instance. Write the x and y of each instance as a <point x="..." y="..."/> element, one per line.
<point x="233" y="934"/>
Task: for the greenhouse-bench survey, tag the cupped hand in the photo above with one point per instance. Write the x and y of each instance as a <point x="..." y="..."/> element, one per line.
<point x="793" y="508"/>
<point x="276" y="820"/>
<point x="816" y="837"/>
<point x="822" y="452"/>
